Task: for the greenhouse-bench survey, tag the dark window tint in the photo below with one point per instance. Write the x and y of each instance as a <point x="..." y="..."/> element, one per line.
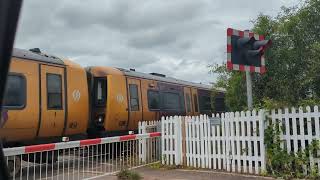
<point x="205" y="103"/>
<point x="195" y="99"/>
<point x="171" y="101"/>
<point x="100" y="85"/>
<point x="15" y="94"/>
<point x="54" y="91"/>
<point x="188" y="103"/>
<point x="153" y="100"/>
<point x="134" y="98"/>
<point x="219" y="105"/>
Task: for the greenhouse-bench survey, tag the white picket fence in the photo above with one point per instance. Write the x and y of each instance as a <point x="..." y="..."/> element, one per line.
<point x="171" y="140"/>
<point x="299" y="128"/>
<point x="149" y="127"/>
<point x="237" y="145"/>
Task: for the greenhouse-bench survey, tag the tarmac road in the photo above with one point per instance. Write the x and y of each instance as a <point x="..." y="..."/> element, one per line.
<point x="179" y="174"/>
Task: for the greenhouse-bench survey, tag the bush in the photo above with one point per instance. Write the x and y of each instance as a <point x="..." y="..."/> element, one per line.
<point x="126" y="174"/>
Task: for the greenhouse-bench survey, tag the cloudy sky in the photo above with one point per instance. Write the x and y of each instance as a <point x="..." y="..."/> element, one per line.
<point x="178" y="38"/>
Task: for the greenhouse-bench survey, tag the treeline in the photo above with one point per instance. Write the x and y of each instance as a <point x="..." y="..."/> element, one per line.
<point x="293" y="62"/>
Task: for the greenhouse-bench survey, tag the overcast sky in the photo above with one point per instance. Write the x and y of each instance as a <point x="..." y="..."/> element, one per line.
<point x="178" y="38"/>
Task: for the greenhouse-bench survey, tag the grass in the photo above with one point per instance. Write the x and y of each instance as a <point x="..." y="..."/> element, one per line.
<point x="158" y="165"/>
<point x="127" y="174"/>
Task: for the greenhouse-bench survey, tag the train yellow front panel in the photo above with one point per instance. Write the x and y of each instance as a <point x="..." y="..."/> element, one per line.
<point x="78" y="102"/>
<point x="22" y="123"/>
<point x="117" y="106"/>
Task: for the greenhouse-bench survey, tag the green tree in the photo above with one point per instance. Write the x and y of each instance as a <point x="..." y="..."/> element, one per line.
<point x="293" y="61"/>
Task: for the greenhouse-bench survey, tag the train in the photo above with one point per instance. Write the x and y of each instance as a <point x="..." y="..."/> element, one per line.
<point x="48" y="98"/>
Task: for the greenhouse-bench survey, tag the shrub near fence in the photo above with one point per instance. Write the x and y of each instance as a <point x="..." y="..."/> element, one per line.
<point x="238" y="144"/>
<point x="296" y="132"/>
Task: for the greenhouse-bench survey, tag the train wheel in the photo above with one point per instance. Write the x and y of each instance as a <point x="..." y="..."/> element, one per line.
<point x="14" y="166"/>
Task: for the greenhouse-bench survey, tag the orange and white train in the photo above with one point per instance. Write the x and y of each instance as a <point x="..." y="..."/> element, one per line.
<point x="48" y="98"/>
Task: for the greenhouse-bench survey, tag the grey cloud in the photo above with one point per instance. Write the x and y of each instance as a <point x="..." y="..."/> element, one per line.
<point x="152" y="39"/>
<point x="177" y="37"/>
<point x="128" y="16"/>
<point x="171" y="35"/>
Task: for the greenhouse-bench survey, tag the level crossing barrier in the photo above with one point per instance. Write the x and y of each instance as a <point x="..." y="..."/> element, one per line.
<point x="84" y="159"/>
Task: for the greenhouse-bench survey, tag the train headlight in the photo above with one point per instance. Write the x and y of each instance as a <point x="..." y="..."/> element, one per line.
<point x="99" y="119"/>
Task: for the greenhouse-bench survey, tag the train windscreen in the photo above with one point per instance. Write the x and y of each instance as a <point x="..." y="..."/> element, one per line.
<point x="100" y="89"/>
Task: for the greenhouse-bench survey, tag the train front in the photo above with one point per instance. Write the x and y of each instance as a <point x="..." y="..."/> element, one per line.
<point x="108" y="102"/>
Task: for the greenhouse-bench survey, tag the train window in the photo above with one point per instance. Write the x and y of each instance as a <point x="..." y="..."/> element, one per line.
<point x="153" y="100"/>
<point x="195" y="98"/>
<point x="100" y="91"/>
<point x="188" y="103"/>
<point x="171" y="101"/>
<point x="205" y="103"/>
<point x="54" y="91"/>
<point x="134" y="98"/>
<point x="219" y="105"/>
<point x="15" y="94"/>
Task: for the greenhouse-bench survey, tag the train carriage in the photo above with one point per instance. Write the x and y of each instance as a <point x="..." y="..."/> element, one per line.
<point x="48" y="98"/>
<point x="129" y="97"/>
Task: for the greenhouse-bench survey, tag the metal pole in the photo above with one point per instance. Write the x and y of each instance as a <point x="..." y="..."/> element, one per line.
<point x="249" y="90"/>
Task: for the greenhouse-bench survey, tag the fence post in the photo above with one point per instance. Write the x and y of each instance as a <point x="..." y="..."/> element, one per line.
<point x="209" y="145"/>
<point x="142" y="142"/>
<point x="183" y="139"/>
<point x="262" y="122"/>
<point x="163" y="144"/>
<point x="227" y="141"/>
<point x="178" y="141"/>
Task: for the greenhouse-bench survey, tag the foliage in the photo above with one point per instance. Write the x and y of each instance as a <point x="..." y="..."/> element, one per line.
<point x="159" y="165"/>
<point x="126" y="174"/>
<point x="293" y="61"/>
<point x="234" y="83"/>
<point x="280" y="163"/>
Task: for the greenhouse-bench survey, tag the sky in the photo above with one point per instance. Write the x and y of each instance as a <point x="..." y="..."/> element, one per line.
<point x="178" y="38"/>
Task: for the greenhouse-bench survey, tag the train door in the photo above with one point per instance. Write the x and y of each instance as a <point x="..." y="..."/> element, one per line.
<point x="135" y="105"/>
<point x="195" y="101"/>
<point x="188" y="101"/>
<point x="52" y="101"/>
<point x="151" y="100"/>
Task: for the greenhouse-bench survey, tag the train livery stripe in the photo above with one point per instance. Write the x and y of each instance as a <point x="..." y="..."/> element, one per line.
<point x="88" y="142"/>
<point x="39" y="148"/>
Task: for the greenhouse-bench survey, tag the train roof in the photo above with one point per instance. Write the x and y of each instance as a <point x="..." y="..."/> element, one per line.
<point x="163" y="78"/>
<point x="38" y="56"/>
<point x="27" y="54"/>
